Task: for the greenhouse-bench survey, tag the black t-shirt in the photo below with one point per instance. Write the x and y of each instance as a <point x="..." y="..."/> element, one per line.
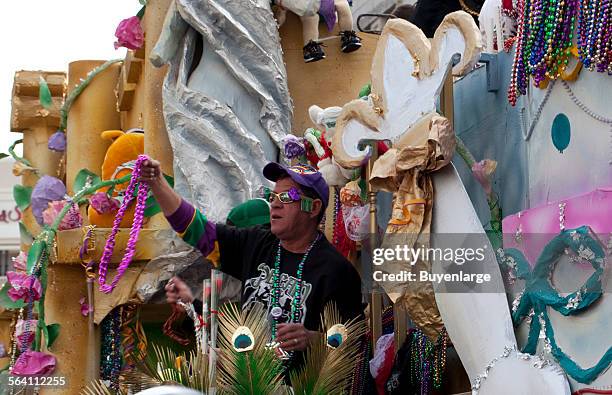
<point x="249" y="255"/>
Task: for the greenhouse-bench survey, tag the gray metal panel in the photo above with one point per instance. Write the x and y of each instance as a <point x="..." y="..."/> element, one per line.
<point x="490" y="127"/>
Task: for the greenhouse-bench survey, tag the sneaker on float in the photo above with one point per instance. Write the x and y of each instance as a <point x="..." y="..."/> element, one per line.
<point x="350" y="41"/>
<point x="313" y="52"/>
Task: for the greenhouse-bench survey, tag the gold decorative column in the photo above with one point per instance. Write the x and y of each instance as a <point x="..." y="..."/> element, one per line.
<point x="37" y="124"/>
<point x="157" y="144"/>
<point x="94" y="111"/>
<point x="75" y="360"/>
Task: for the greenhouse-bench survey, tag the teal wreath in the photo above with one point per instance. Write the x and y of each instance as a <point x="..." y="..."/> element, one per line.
<point x="539" y="294"/>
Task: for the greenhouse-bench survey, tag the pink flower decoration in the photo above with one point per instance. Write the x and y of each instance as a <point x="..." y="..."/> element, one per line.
<point x="71" y="220"/>
<point x="129" y="34"/>
<point x="103" y="203"/>
<point x="34" y="363"/>
<point x="85" y="308"/>
<point x="24" y="330"/>
<point x="20" y="262"/>
<point x="482" y="171"/>
<point x="23" y="287"/>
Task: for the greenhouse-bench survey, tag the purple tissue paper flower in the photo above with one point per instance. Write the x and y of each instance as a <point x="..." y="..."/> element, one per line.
<point x="103" y="203"/>
<point x="57" y="141"/>
<point x="24" y="330"/>
<point x="46" y="190"/>
<point x="293" y="146"/>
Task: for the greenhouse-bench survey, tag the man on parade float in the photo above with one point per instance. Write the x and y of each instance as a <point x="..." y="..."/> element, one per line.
<point x="290" y="267"/>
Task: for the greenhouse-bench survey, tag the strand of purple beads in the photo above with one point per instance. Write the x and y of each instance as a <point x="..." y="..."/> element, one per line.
<point x="130" y="249"/>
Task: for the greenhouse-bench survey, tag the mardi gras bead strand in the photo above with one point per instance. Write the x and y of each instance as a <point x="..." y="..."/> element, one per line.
<point x="110" y="350"/>
<point x="518" y="71"/>
<point x="544" y="40"/>
<point x="276" y="310"/>
<point x="143" y="190"/>
<point x="440" y="359"/>
<point x="594" y="33"/>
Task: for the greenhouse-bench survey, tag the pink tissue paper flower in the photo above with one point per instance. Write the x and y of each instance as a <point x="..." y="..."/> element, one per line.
<point x="103" y="203"/>
<point x="24" y="330"/>
<point x="34" y="363"/>
<point x="21" y="286"/>
<point x="20" y="262"/>
<point x="71" y="220"/>
<point x="85" y="308"/>
<point x="129" y="34"/>
<point x="482" y="171"/>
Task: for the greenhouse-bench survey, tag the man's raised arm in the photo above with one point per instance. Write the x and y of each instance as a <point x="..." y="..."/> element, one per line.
<point x="168" y="200"/>
<point x="185" y="219"/>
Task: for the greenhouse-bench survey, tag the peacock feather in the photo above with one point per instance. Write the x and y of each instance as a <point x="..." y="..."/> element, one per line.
<point x="336" y="335"/>
<point x="96" y="388"/>
<point x="330" y="361"/>
<point x="242" y="339"/>
<point x="160" y="367"/>
<point x="247" y="372"/>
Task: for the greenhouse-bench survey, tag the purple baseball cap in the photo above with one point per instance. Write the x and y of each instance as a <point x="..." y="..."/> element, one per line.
<point x="302" y="174"/>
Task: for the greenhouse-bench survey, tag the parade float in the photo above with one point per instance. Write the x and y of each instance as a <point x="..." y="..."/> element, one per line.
<point x="501" y="134"/>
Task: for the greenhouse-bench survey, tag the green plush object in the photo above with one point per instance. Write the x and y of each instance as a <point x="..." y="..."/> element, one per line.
<point x="250" y="213"/>
<point x="366" y="90"/>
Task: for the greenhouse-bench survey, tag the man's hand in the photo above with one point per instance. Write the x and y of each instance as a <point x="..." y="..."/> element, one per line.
<point x="177" y="289"/>
<point x="151" y="173"/>
<point x="294" y="337"/>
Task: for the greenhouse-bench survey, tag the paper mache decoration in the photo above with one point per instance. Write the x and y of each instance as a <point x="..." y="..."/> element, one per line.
<point x="118" y="162"/>
<point x="479" y="322"/>
<point x="408" y="72"/>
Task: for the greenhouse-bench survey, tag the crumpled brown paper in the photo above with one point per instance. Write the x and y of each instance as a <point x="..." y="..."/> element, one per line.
<point x="406" y="171"/>
<point x="143" y="279"/>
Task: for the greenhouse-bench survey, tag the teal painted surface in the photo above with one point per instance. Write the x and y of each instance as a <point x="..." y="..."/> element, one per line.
<point x="539" y="296"/>
<point x="561" y="132"/>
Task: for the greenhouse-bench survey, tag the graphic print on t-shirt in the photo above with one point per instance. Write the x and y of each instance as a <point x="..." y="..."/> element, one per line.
<point x="257" y="290"/>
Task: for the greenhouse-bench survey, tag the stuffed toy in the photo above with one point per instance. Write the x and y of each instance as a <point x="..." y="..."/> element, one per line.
<point x="320" y="155"/>
<point x="319" y="149"/>
<point x="118" y="162"/>
<point x="309" y="11"/>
